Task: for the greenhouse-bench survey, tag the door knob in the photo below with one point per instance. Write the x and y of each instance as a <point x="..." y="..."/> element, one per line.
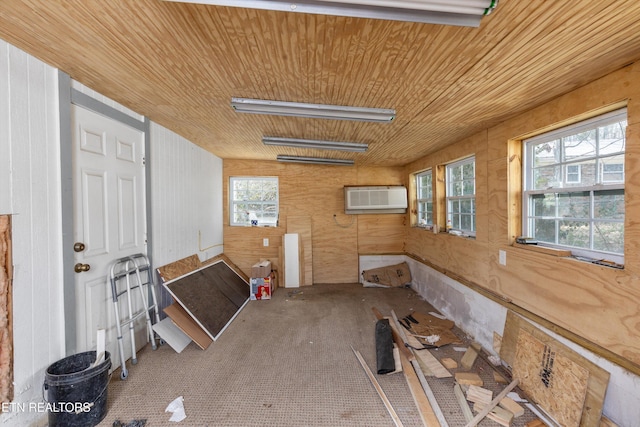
<point x="78" y="247"/>
<point x="79" y="267"/>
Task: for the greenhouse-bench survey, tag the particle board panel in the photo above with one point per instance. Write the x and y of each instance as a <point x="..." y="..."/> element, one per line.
<point x="212" y="295"/>
<point x="179" y="268"/>
<point x="552" y="380"/>
<point x="597" y="380"/>
<point x="302" y="226"/>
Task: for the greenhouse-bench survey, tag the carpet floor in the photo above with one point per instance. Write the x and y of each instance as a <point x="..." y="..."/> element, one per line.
<point x="282" y="362"/>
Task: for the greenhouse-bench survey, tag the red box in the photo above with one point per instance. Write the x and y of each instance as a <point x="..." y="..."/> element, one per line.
<point x="262" y="288"/>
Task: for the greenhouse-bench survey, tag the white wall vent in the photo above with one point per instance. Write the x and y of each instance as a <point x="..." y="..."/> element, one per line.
<point x="375" y="199"/>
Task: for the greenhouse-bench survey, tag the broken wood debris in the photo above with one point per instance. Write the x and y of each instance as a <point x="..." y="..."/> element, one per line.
<point x="449" y="363"/>
<point x="478" y="394"/>
<point x="480" y="416"/>
<point x="470" y="356"/>
<point x="497" y="414"/>
<point x="469" y="378"/>
<point x="423" y="381"/>
<point x="497" y="377"/>
<point x="512" y="406"/>
<point x="414" y="376"/>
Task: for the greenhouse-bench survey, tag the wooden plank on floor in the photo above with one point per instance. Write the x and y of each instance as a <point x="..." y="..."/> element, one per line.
<point x="470" y="356"/>
<point x="376" y="385"/>
<point x="512" y="406"/>
<point x="462" y="401"/>
<point x="432" y="364"/>
<point x="425" y="409"/>
<point x="468" y="378"/>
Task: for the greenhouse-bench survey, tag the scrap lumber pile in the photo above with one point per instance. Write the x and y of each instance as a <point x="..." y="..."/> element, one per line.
<point x="494" y="393"/>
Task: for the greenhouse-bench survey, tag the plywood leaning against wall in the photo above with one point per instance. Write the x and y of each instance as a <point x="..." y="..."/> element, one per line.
<point x="565" y="384"/>
<point x="553" y="380"/>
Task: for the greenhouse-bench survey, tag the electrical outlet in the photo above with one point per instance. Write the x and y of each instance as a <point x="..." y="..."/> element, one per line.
<point x="503" y="257"/>
<point x="265" y="242"/>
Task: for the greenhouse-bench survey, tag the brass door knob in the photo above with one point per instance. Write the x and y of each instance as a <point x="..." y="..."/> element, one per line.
<point x="78" y="247"/>
<point x="79" y="267"/>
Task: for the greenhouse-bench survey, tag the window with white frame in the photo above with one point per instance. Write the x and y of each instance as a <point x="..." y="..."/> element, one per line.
<point x="461" y="196"/>
<point x="253" y="201"/>
<point x="424" y="189"/>
<point x="573" y="195"/>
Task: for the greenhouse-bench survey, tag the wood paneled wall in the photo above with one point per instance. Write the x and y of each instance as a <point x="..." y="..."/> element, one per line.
<point x="317" y="192"/>
<point x="598" y="303"/>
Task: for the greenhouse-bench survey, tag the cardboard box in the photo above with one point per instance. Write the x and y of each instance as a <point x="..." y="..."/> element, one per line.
<point x="261" y="269"/>
<point x="261" y="287"/>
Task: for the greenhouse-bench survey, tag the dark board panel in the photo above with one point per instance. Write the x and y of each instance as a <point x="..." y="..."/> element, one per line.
<point x="212" y="295"/>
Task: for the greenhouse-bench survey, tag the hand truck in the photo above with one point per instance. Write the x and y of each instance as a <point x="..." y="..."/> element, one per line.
<point x="128" y="270"/>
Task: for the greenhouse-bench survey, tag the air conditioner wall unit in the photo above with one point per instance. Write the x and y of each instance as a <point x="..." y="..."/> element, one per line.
<point x="375" y="199"/>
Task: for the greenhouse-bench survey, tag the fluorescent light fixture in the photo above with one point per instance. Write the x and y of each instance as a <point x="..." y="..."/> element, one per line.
<point x="317" y="111"/>
<point x="314" y="160"/>
<point x="314" y="143"/>
<point x="467" y="13"/>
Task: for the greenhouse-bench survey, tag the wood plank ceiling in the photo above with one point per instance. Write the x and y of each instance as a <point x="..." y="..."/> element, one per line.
<point x="180" y="64"/>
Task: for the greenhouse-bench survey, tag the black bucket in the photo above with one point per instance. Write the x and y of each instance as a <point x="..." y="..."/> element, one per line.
<point x="76" y="391"/>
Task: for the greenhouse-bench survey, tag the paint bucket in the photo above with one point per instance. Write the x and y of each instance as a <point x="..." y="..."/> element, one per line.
<point x="77" y="390"/>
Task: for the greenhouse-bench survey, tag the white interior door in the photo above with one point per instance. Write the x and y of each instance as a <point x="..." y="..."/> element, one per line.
<point x="109" y="220"/>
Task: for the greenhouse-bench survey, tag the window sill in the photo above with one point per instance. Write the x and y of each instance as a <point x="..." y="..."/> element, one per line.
<point x="564" y="253"/>
<point x="254" y="226"/>
<point x="544" y="250"/>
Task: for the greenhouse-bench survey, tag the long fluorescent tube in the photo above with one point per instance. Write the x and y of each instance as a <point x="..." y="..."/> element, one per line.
<point x="314" y="160"/>
<point x="466" y="13"/>
<point x="318" y="111"/>
<point x="314" y="143"/>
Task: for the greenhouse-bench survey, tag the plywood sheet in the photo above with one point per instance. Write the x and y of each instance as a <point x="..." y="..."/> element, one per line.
<point x="179" y="268"/>
<point x="552" y="380"/>
<point x="212" y="295"/>
<point x="598" y="378"/>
